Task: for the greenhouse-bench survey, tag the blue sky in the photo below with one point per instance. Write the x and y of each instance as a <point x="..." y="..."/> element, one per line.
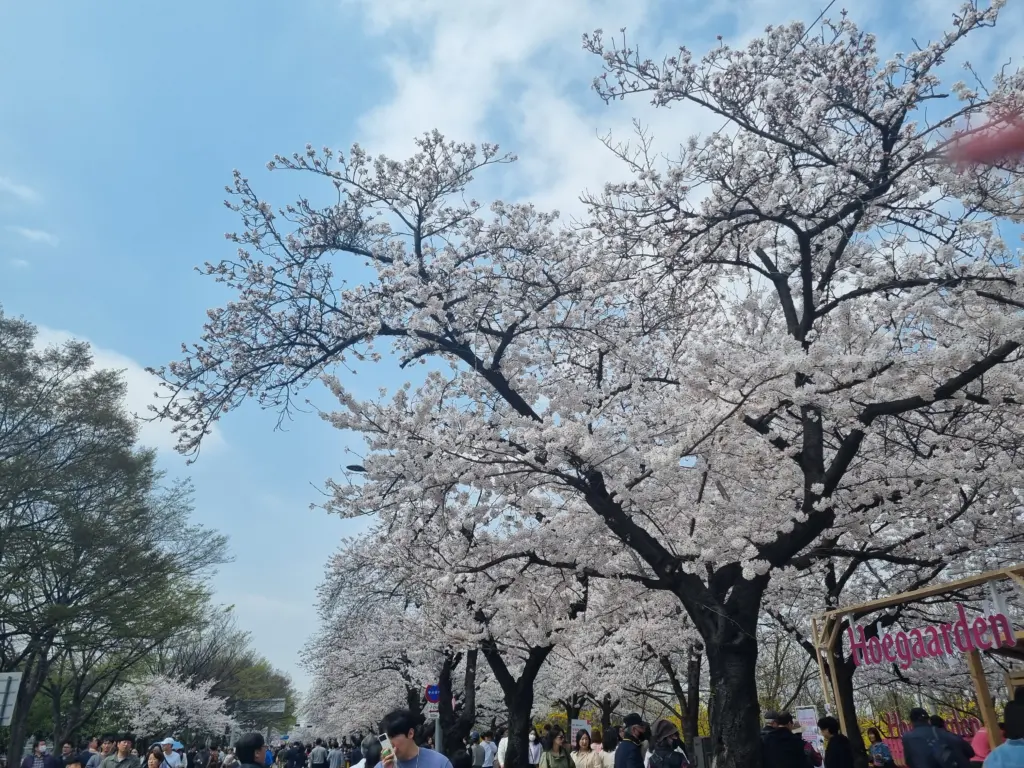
<point x="121" y="124"/>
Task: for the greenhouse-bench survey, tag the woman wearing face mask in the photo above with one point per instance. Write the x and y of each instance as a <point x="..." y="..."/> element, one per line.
<point x="666" y="747"/>
<point x="536" y="750"/>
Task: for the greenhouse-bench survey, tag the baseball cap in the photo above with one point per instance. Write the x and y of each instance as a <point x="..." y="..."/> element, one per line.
<point x="771" y="716"/>
<point x="632" y="719"/>
<point x="168" y="742"/>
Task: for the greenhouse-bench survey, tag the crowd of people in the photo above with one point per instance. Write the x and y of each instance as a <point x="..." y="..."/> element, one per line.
<point x="927" y="745"/>
<point x="634" y="744"/>
<point x="124" y="751"/>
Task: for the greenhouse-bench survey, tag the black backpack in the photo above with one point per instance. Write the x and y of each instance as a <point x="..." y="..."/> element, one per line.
<point x="664" y="759"/>
<point x="942" y="755"/>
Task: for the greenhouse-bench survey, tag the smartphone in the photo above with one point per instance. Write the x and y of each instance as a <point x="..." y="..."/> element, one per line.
<point x="387" y="752"/>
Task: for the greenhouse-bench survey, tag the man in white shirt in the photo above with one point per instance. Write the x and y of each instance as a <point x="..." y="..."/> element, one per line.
<point x="171" y="758"/>
<point x="499" y="759"/>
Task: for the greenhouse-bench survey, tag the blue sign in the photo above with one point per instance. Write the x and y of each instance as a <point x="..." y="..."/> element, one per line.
<point x="433" y="694"/>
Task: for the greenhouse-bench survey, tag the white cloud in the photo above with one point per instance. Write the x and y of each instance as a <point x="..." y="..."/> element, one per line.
<point x="475" y="51"/>
<point x="141" y="389"/>
<point x="21" y="191"/>
<point x="485" y="70"/>
<point x="19" y="263"/>
<point x="35" y="235"/>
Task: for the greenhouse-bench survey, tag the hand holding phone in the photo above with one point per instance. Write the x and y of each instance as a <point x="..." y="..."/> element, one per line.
<point x="387" y="752"/>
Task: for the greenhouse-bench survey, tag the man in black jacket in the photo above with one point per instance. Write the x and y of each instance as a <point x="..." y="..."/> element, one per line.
<point x="838" y="750"/>
<point x="769" y="722"/>
<point x="40" y="757"/>
<point x="780" y="747"/>
<point x="628" y="754"/>
<point x="927" y="746"/>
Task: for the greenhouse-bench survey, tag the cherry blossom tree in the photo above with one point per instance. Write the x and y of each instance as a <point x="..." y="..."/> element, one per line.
<point x="165" y="705"/>
<point x="831" y="218"/>
<point x="977" y="527"/>
<point x="375" y="653"/>
<point x="801" y="327"/>
<point x="635" y="647"/>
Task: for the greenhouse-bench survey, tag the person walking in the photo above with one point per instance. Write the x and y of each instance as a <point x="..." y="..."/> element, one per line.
<point x="499" y="759"/>
<point x="609" y="744"/>
<point x="629" y="753"/>
<point x="400" y="727"/>
<point x="356" y="755"/>
<point x="780" y="747"/>
<point x="318" y="755"/>
<point x="171" y="758"/>
<point x="251" y="750"/>
<point x="40" y="757"/>
<point x="476" y="750"/>
<point x="1010" y="754"/>
<point x="154" y="758"/>
<point x="555" y="753"/>
<point x="122" y="756"/>
<point x="585" y="756"/>
<point x="838" y="751"/>
<point x="536" y="749"/>
<point x="926" y="746"/>
<point x="878" y="751"/>
<point x="667" y="749"/>
<point x="369" y="754"/>
<point x="490" y="749"/>
<point x="106" y="747"/>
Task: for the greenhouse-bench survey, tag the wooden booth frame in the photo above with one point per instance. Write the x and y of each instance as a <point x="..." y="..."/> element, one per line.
<point x="825" y="634"/>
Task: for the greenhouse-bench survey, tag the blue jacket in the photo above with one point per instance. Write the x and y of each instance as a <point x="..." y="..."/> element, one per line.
<point x="627" y="755"/>
<point x="917" y="746"/>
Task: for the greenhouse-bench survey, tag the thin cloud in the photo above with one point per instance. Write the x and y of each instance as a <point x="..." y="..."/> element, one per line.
<point x="35" y="235"/>
<point x="490" y="69"/>
<point x="18" y="263"/>
<point x="141" y="386"/>
<point x="21" y="191"/>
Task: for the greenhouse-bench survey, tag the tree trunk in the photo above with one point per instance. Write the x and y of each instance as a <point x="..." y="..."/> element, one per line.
<point x="34" y="671"/>
<point x="414" y="702"/>
<point x="735" y="713"/>
<point x="572" y="706"/>
<point x="691" y="714"/>
<point x="607" y="706"/>
<point x="688" y="698"/>
<point x="520" y="709"/>
<point x="456" y="726"/>
<point x="518" y="697"/>
<point x="844" y="675"/>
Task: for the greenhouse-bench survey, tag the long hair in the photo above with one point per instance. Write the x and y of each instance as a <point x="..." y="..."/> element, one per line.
<point x="610" y="740"/>
<point x="579" y="737"/>
<point x="548" y="742"/>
